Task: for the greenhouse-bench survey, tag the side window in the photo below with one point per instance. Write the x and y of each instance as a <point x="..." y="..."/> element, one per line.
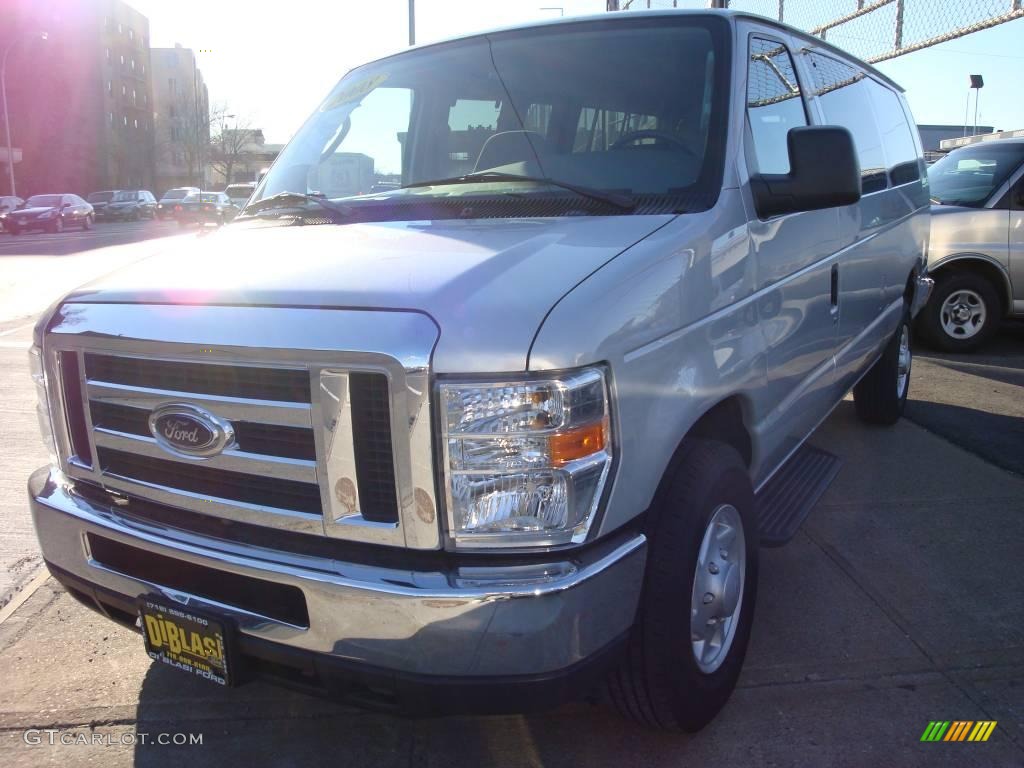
<point x="774" y="104"/>
<point x="845" y="97"/>
<point x="897" y="141"/>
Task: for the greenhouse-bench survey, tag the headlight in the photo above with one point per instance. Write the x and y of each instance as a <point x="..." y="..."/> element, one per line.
<point x="38" y="373"/>
<point x="525" y="461"/>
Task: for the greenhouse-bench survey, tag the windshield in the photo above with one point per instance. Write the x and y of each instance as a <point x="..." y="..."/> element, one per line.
<point x="635" y="107"/>
<point x="238" y="192"/>
<point x="100" y="197"/>
<point x="43" y="201"/>
<point x="175" y="194"/>
<point x="970" y="175"/>
<point x="206" y="198"/>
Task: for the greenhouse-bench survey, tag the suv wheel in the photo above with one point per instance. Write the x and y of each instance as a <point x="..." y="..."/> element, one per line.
<point x="961" y="314"/>
<point x="690" y="638"/>
<point x="881" y="395"/>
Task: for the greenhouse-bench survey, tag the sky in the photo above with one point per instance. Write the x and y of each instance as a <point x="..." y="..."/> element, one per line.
<point x="271" y="67"/>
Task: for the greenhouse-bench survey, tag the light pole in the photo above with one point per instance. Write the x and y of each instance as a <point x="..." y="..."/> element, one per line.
<point x="977" y="83"/>
<point x="7" y="119"/>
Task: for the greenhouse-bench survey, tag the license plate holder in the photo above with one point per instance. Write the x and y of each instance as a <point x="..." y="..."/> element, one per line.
<point x="191" y="641"/>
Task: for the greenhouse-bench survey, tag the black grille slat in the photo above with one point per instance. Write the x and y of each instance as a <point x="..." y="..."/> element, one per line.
<point x="283" y="602"/>
<point x="371" y="438"/>
<point x="219" y="483"/>
<point x="71" y="383"/>
<point x="278" y="384"/>
<point x="252" y="437"/>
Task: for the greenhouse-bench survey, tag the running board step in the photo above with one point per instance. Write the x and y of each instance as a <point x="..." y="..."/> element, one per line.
<point x="784" y="502"/>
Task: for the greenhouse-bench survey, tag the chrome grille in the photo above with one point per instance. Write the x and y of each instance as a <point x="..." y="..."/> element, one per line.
<point x="331" y="419"/>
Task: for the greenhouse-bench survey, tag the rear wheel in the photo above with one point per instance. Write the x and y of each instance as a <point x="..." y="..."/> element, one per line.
<point x="881" y="395"/>
<point x="692" y="629"/>
<point x="962" y="312"/>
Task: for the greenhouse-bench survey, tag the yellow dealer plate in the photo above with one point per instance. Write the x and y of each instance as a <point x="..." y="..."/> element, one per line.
<point x="186" y="640"/>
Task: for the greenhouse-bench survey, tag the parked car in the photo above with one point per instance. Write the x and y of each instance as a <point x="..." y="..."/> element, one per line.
<point x="976" y="254"/>
<point x="165" y="205"/>
<point x="99" y="202"/>
<point x="205" y="208"/>
<point x="523" y="425"/>
<point x="8" y="203"/>
<point x="240" y="193"/>
<point x="52" y="213"/>
<point x="131" y="205"/>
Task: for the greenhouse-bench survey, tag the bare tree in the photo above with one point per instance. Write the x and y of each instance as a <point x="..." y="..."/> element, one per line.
<point x="185" y="133"/>
<point x="230" y="146"/>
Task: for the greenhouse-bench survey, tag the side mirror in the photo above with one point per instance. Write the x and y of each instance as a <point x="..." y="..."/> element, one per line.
<point x="64" y="206"/>
<point x="823" y="173"/>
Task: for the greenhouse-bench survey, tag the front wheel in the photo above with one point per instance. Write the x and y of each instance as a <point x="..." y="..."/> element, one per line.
<point x="881" y="395"/>
<point x="87" y="224"/>
<point x="690" y="638"/>
<point x="961" y="314"/>
<point x="58" y="225"/>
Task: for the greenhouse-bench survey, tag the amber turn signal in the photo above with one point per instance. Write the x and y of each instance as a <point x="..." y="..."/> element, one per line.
<point x="577" y="443"/>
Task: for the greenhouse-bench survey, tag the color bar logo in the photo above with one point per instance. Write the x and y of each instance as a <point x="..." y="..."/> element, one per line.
<point x="958" y="730"/>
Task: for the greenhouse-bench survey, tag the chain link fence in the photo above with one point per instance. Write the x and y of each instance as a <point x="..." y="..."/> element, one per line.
<point x="873" y="30"/>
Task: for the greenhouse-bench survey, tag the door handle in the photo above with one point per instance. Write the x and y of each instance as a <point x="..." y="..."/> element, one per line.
<point x="834" y="281"/>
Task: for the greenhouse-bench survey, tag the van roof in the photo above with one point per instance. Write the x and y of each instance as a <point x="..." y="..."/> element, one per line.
<point x="727" y="13"/>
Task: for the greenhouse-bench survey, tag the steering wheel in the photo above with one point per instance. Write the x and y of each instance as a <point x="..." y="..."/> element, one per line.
<point x="629" y="138"/>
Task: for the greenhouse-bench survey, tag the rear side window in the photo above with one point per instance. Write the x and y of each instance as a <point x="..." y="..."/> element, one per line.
<point x="845" y="94"/>
<point x="897" y="140"/>
<point x="774" y="104"/>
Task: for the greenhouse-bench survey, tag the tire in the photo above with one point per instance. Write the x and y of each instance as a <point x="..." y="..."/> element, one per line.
<point x="87" y="224"/>
<point x="881" y="395"/>
<point x="962" y="293"/>
<point x="58" y="226"/>
<point x="660" y="682"/>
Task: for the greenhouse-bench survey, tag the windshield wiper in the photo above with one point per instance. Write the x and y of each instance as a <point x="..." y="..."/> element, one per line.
<point x="622" y="202"/>
<point x="292" y="200"/>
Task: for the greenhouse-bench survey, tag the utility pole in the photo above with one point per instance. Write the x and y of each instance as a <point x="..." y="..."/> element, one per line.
<point x="412" y="22"/>
<point x="7" y="119"/>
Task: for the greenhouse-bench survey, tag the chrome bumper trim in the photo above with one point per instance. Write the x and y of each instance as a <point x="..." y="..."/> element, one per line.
<point x="463" y="622"/>
<point x="923" y="287"/>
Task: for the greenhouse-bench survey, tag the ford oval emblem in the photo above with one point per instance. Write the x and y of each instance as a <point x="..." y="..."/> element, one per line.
<point x="188" y="430"/>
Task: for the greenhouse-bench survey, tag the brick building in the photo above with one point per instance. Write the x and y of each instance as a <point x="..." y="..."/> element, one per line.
<point x="80" y="101"/>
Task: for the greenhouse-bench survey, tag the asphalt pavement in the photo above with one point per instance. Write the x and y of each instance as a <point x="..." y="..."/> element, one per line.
<point x="899" y="602"/>
<point x="36" y="269"/>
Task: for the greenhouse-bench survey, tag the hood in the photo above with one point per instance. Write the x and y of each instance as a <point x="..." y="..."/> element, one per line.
<point x="947" y="210"/>
<point x="487" y="283"/>
<point x="34" y="211"/>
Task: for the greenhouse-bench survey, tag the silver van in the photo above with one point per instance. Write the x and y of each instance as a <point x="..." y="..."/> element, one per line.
<point x="976" y="253"/>
<point x="518" y="424"/>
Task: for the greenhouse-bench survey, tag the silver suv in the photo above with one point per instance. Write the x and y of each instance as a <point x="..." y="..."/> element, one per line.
<point x="976" y="253"/>
<point x="517" y="424"/>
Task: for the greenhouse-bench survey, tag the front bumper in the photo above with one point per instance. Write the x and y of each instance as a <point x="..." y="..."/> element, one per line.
<point x="452" y="638"/>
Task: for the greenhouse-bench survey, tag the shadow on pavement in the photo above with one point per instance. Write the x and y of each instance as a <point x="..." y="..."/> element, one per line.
<point x="998" y="438"/>
<point x="73" y="242"/>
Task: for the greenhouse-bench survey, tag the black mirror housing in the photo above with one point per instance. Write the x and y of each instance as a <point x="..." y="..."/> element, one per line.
<point x="823" y="173"/>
